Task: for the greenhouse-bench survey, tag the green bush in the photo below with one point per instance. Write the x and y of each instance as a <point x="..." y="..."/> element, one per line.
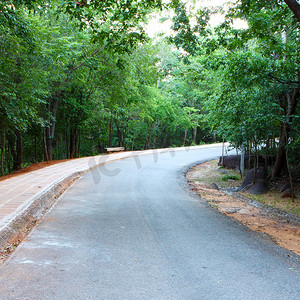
<point x="228" y="177"/>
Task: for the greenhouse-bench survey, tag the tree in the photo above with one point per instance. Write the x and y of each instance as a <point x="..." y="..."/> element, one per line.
<point x="278" y="42"/>
<point x="114" y="26"/>
<point x="21" y="88"/>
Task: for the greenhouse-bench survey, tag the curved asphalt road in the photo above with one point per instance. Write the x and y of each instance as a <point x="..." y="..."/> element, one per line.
<point x="131" y="229"/>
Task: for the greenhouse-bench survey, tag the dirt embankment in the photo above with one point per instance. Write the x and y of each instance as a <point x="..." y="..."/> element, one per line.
<point x="205" y="180"/>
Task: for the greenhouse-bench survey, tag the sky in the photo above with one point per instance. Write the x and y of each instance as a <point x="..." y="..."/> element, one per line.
<point x="154" y="27"/>
<point x="212" y="2"/>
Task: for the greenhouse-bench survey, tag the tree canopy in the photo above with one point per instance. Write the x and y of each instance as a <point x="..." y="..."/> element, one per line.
<point x="79" y="76"/>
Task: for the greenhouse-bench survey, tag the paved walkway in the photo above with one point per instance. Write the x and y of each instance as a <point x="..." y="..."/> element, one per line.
<point x="24" y="198"/>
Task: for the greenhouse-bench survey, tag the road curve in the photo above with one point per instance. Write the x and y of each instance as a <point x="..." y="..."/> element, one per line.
<point x="132" y="229"/>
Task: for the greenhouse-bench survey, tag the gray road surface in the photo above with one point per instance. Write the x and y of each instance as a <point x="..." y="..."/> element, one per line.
<point x="132" y="229"/>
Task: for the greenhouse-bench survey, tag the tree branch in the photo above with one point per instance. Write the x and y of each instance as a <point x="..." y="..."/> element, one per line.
<point x="91" y="55"/>
<point x="295" y="7"/>
<point x="282" y="81"/>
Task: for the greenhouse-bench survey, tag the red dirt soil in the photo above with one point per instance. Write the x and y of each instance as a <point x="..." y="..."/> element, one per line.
<point x="281" y="231"/>
<point x="33" y="167"/>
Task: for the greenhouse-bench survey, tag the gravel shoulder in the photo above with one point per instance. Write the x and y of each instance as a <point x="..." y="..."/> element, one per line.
<point x="206" y="180"/>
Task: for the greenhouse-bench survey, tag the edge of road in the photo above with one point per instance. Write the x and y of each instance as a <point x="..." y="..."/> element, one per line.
<point x="273" y="211"/>
<point x="15" y="229"/>
<point x="23" y="220"/>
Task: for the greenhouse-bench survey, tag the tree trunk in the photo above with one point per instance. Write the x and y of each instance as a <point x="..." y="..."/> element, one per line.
<point x="154" y="139"/>
<point x="19" y="150"/>
<point x="119" y="133"/>
<point x="223" y="153"/>
<point x="11" y="143"/>
<point x="15" y="145"/>
<point x="2" y="154"/>
<point x="45" y="144"/>
<point x="267" y="152"/>
<point x="255" y="168"/>
<point x="72" y="142"/>
<point x="289" y="106"/>
<point x="146" y="146"/>
<point x="295" y="7"/>
<point x="195" y="135"/>
<point x="110" y="131"/>
<point x="66" y="139"/>
<point x="184" y="138"/>
<point x="49" y="144"/>
<point x="35" y="146"/>
<point x="50" y="130"/>
<point x="288" y="168"/>
<point x="249" y="155"/>
<point x="78" y="144"/>
<point x="280" y="163"/>
<point x="100" y="146"/>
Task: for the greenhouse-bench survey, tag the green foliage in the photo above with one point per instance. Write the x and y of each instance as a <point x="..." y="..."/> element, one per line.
<point x="229" y="177"/>
<point x="20" y="91"/>
<point x="252" y="78"/>
<point x="185" y="37"/>
<point x="117" y="24"/>
<point x="76" y="78"/>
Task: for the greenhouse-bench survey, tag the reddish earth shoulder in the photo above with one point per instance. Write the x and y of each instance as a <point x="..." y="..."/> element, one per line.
<point x="33" y="167"/>
<point x="281" y="231"/>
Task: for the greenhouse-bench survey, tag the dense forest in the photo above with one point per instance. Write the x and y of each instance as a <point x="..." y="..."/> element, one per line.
<point x="79" y="76"/>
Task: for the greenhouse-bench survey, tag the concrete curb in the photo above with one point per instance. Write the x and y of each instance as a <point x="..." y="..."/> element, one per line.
<point x="12" y="233"/>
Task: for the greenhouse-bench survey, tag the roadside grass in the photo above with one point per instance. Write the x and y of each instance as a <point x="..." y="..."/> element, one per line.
<point x="273" y="199"/>
<point x="209" y="172"/>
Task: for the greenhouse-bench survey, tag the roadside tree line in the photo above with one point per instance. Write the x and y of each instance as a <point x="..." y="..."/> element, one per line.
<point x="77" y="77"/>
<point x="248" y="78"/>
<point x="74" y="80"/>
